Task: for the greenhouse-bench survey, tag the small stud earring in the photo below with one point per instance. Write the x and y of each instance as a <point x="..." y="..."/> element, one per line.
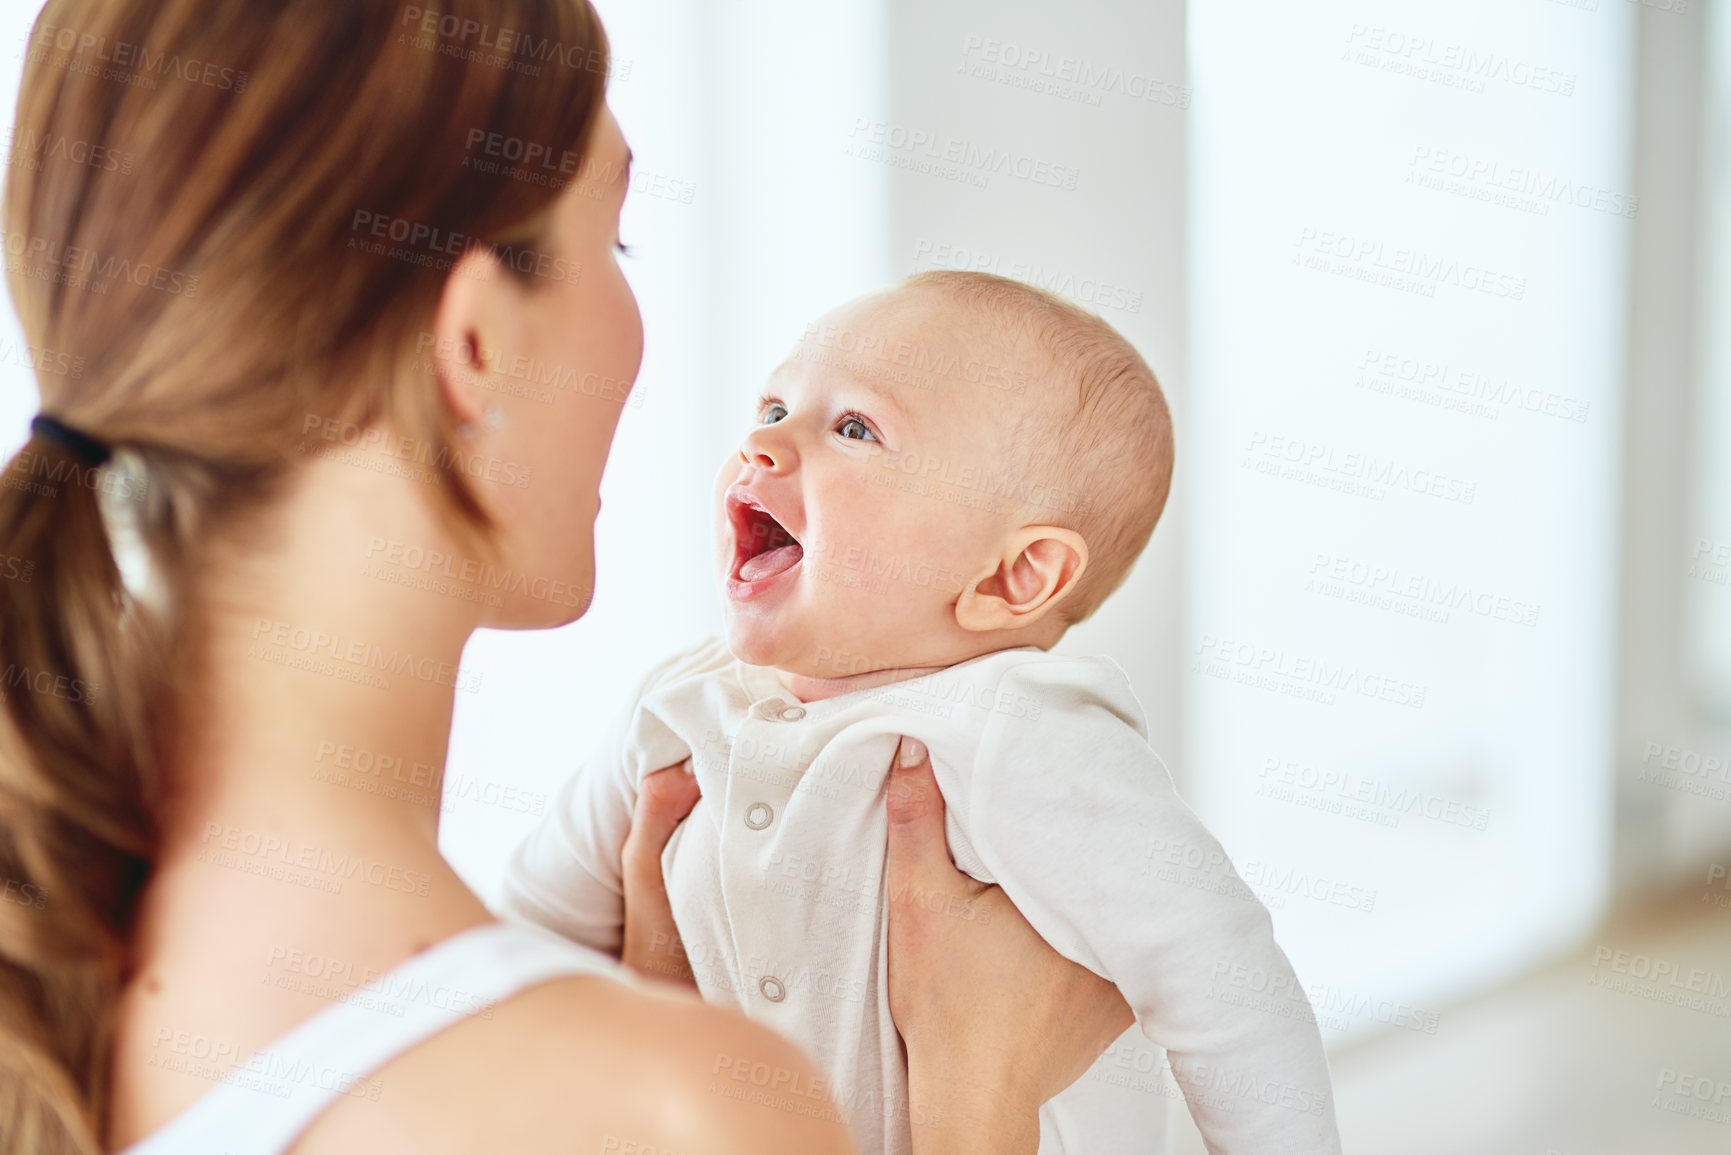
<point x="492" y="416"/>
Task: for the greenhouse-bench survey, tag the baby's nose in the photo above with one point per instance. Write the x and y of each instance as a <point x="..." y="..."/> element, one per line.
<point x="765" y="450"/>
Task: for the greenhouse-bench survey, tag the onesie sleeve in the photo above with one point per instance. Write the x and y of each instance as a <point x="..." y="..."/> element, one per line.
<point x="566" y="874"/>
<point x="1076" y="817"/>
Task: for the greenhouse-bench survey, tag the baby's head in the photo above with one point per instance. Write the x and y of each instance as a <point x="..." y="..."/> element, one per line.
<point x="956" y="465"/>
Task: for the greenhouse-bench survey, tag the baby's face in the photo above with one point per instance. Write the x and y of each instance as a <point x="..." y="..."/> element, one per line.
<point x="859" y="503"/>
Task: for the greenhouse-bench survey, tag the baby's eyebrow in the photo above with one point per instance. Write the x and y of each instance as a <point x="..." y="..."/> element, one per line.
<point x="881" y="394"/>
<point x="877" y="391"/>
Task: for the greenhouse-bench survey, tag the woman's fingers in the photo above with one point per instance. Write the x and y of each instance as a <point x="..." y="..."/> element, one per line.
<point x="663" y="801"/>
<point x="652" y="943"/>
<point x="917" y="851"/>
<point x="926" y="895"/>
<point x="923" y="880"/>
<point x="995" y="1021"/>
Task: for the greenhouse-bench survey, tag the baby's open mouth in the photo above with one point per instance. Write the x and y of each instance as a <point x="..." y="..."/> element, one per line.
<point x="762" y="546"/>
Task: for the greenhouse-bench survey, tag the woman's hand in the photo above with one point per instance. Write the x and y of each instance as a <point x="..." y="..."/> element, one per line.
<point x="995" y="1021"/>
<point x="652" y="944"/>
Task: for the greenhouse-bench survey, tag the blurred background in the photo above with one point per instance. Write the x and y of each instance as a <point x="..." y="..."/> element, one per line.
<point x="1436" y="634"/>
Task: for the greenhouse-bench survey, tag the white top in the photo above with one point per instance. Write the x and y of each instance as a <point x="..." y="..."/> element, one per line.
<point x="778" y="886"/>
<point x="262" y="1105"/>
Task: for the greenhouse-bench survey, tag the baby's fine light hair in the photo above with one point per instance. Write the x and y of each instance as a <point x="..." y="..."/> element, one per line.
<point x="1095" y="432"/>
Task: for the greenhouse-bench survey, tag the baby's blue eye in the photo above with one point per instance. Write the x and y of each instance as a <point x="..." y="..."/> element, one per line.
<point x="855" y="430"/>
<point x="771" y="414"/>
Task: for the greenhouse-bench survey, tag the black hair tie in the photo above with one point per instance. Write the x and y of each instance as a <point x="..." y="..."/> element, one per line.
<point x="80" y="445"/>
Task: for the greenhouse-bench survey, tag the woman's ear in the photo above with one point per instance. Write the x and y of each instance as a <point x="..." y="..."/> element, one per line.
<point x="466" y="333"/>
<point x="1038" y="568"/>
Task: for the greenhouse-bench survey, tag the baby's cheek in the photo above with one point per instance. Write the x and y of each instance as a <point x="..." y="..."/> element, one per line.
<point x="858" y="490"/>
<point x="905" y="524"/>
<point x="937" y="528"/>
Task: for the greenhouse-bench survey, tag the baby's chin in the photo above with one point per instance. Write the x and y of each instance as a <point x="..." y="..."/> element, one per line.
<point x="756" y="641"/>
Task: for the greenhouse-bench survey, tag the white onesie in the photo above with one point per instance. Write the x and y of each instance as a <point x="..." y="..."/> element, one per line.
<point x="777" y="881"/>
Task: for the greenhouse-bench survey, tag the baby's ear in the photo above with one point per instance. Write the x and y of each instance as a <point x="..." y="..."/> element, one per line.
<point x="1038" y="568"/>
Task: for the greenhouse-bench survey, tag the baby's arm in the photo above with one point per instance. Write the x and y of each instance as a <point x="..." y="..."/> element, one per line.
<point x="1077" y="820"/>
<point x="566" y="875"/>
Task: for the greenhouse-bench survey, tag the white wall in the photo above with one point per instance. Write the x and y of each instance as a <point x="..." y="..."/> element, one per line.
<point x="1674" y="801"/>
<point x="1345" y="477"/>
<point x="1709" y="549"/>
<point x="1706" y="553"/>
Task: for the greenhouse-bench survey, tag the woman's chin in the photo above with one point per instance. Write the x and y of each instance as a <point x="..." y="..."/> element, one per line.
<point x="530" y="616"/>
<point x="539" y="605"/>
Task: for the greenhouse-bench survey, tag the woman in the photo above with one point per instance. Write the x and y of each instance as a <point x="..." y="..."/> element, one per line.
<point x="289" y="306"/>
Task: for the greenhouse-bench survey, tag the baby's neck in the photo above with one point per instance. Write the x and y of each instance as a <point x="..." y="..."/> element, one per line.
<point x="809" y="689"/>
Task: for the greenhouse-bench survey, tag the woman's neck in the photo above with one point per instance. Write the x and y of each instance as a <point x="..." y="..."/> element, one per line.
<point x="311" y="736"/>
<point x="300" y="811"/>
<point x="305" y="667"/>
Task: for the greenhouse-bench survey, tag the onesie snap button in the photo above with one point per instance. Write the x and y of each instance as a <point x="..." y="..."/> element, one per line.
<point x="791" y="713"/>
<point x="772" y="988"/>
<point x="758" y="815"/>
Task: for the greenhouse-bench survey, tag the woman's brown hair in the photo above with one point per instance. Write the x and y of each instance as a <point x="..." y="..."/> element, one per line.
<point x="226" y="222"/>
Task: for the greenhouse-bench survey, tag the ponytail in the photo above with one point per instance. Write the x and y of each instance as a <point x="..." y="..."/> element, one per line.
<point x="77" y="691"/>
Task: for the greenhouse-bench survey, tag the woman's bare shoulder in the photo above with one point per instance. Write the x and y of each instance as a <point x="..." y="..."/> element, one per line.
<point x="592" y="1065"/>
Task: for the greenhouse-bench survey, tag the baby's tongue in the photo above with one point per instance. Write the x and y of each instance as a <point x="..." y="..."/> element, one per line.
<point x="771" y="562"/>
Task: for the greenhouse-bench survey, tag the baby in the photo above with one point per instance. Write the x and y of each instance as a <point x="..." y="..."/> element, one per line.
<point x="941" y="480"/>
